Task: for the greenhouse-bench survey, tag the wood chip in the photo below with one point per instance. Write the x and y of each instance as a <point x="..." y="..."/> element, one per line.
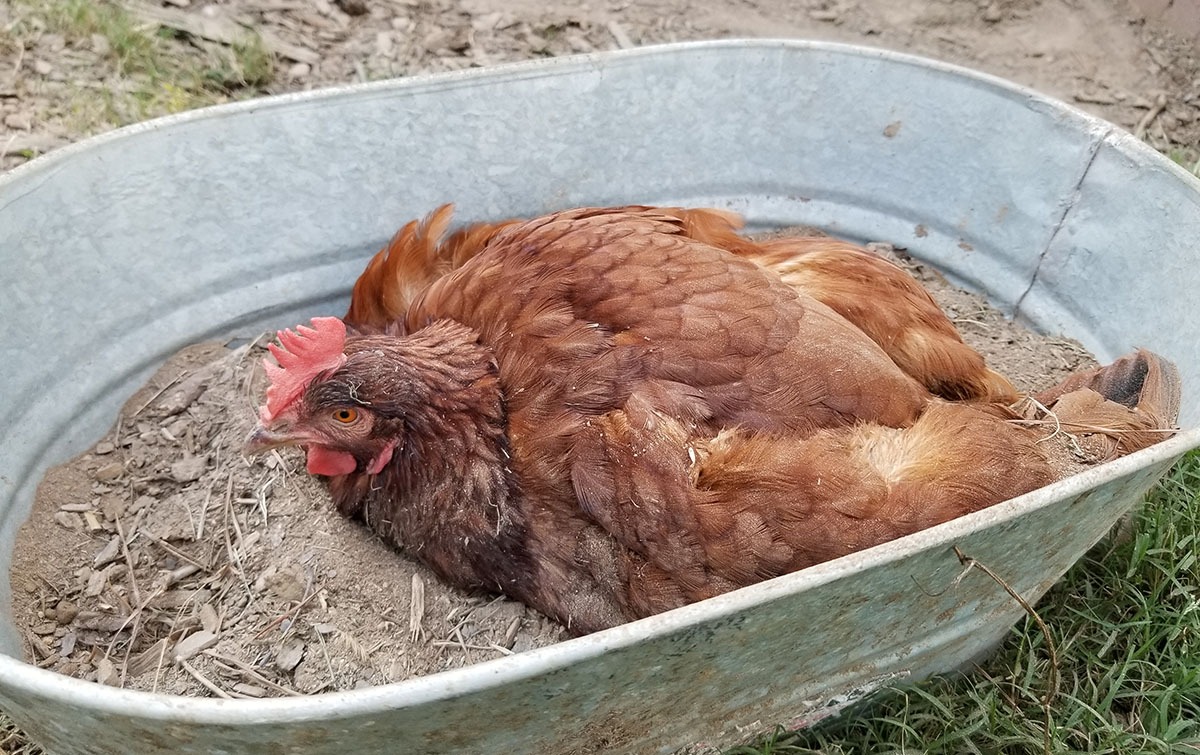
<point x="620" y="36"/>
<point x="96" y="582"/>
<point x="66" y="645"/>
<point x="92" y="521"/>
<point x="149" y="659"/>
<point x="39" y="646"/>
<point x="209" y="618"/>
<point x="179" y="574"/>
<point x="100" y="622"/>
<point x="109" y="553"/>
<point x="110" y="472"/>
<point x="192" y="644"/>
<point x="249" y="690"/>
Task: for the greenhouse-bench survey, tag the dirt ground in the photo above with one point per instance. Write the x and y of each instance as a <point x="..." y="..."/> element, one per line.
<point x="1133" y="62"/>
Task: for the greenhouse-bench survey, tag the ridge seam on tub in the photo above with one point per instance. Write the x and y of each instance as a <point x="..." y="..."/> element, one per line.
<point x="1094" y="150"/>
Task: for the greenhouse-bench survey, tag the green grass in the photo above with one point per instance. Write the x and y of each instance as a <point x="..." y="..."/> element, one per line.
<point x="1126" y="625"/>
<point x="1188" y="157"/>
<point x="151" y="70"/>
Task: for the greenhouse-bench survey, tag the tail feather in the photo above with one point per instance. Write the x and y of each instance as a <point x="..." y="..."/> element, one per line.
<point x="416" y="256"/>
<point x="1120" y="408"/>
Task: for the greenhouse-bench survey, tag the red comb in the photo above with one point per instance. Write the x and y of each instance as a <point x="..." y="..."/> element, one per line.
<point x="302" y="355"/>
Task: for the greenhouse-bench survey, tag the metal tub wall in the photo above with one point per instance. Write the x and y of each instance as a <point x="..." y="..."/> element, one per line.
<point x="117" y="251"/>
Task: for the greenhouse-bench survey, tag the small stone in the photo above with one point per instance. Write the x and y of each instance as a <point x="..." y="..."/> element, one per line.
<point x="992" y="14"/>
<point x="384" y="44"/>
<point x="110" y="472"/>
<point x="18" y="121"/>
<point x="285" y="583"/>
<point x="178" y="428"/>
<point x="69" y="520"/>
<point x="189" y="469"/>
<point x="183" y="395"/>
<point x="522" y="644"/>
<point x="42" y="68"/>
<point x="289" y="656"/>
<point x="106" y="673"/>
<point x="325" y="628"/>
<point x="100" y="44"/>
<point x="299" y="71"/>
<point x="52" y="42"/>
<point x="141" y="502"/>
<point x="209" y="618"/>
<point x="65" y="612"/>
<point x="112" y="508"/>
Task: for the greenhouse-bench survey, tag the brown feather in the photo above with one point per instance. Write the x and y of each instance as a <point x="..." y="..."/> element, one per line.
<point x="610" y="412"/>
<point x="417" y="255"/>
<point x="887" y="304"/>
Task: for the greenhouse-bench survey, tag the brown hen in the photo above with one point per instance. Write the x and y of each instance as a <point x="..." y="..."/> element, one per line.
<point x="607" y="413"/>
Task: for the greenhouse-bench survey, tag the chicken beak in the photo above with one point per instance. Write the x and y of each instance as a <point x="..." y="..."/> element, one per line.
<point x="263" y="439"/>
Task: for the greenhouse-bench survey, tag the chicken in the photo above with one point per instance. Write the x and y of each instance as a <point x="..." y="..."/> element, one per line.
<point x="608" y="413"/>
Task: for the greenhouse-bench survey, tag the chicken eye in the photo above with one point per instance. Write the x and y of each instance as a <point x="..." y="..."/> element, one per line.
<point x="345" y="415"/>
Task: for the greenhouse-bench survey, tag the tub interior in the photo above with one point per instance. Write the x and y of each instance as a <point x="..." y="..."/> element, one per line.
<point x="121" y="250"/>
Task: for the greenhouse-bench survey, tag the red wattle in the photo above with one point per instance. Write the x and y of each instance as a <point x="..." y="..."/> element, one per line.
<point x="330" y="463"/>
<point x="382" y="459"/>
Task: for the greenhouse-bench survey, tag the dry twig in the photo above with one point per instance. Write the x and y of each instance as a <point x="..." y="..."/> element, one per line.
<point x="1052" y="678"/>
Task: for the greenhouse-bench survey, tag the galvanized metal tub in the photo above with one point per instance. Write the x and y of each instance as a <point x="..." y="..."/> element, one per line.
<point x="121" y="249"/>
